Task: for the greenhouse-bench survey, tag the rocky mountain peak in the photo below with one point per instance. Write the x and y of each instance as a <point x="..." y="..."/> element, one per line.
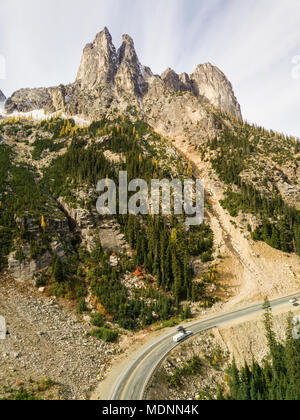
<point x="126" y="39"/>
<point x="185" y="78"/>
<point x="109" y="80"/>
<point x="104" y="35"/>
<point x="2" y="96"/>
<point x="211" y="83"/>
<point x="127" y="51"/>
<point x="175" y="82"/>
<point x="99" y="61"/>
<point x="2" y="102"/>
<point x="168" y="72"/>
<point x="131" y="75"/>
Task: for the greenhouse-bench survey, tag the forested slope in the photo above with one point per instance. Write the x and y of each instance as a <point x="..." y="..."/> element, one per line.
<point x="45" y="163"/>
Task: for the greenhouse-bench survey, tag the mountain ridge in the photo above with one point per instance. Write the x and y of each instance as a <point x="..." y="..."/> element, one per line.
<point x="110" y="82"/>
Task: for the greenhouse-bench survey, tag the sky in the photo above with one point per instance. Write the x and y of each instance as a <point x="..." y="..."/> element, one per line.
<point x="256" y="43"/>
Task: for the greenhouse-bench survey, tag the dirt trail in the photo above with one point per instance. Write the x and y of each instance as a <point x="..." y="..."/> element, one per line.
<point x="251" y="270"/>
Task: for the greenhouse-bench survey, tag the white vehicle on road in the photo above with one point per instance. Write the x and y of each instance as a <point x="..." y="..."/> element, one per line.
<point x="293" y="300"/>
<point x="182" y="335"/>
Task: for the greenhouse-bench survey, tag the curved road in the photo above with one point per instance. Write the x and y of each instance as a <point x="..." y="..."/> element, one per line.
<point x="131" y="386"/>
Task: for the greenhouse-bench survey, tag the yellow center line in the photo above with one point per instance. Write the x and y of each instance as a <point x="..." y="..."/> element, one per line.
<point x="139" y="365"/>
<point x="141" y="362"/>
<point x="221" y="319"/>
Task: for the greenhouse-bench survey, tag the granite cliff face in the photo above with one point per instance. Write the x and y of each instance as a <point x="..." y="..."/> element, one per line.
<point x="131" y="77"/>
<point x="98" y="63"/>
<point x="2" y="96"/>
<point x="175" y="82"/>
<point x="2" y="102"/>
<point x="210" y="83"/>
<point x="111" y="82"/>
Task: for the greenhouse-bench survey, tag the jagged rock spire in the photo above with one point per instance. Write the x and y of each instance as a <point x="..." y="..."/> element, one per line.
<point x="127" y="51"/>
<point x="101" y="64"/>
<point x="99" y="61"/>
<point x="175" y="82"/>
<point x="109" y="82"/>
<point x="131" y="75"/>
<point x="2" y="96"/>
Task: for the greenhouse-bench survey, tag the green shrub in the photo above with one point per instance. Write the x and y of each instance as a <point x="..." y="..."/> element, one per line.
<point x="81" y="306"/>
<point x="105" y="334"/>
<point x="40" y="281"/>
<point x="59" y="289"/>
<point x="21" y="395"/>
<point x="97" y="320"/>
<point x="192" y="367"/>
<point x="206" y="257"/>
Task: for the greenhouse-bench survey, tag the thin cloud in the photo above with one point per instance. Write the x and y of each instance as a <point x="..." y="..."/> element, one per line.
<point x="253" y="42"/>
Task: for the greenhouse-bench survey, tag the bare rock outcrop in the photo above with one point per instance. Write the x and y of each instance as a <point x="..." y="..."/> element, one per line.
<point x="26" y="100"/>
<point x="58" y="97"/>
<point x="25" y="270"/>
<point x="83" y="220"/>
<point x="23" y="264"/>
<point x="211" y="83"/>
<point x="175" y="82"/>
<point x="132" y="77"/>
<point x="2" y="102"/>
<point x="99" y="62"/>
<point x="50" y="99"/>
<point x="2" y="96"/>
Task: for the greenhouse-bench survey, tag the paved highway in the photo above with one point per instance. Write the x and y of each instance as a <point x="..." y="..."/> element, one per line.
<point x="132" y="384"/>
